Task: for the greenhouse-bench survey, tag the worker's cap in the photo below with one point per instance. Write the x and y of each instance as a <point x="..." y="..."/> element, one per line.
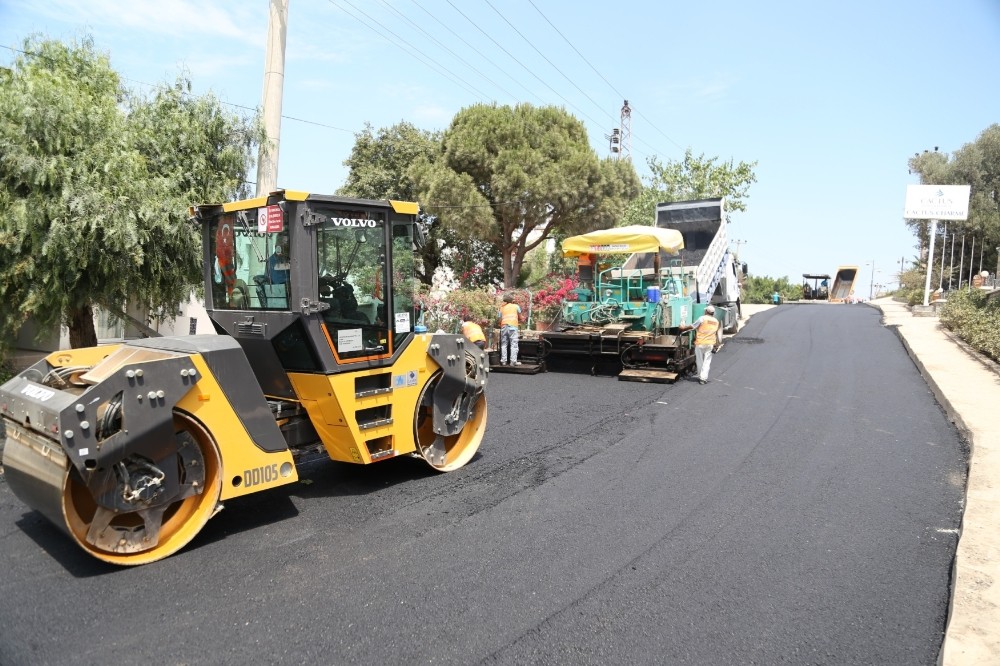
<point x="710" y="309"/>
<point x="508" y="298"/>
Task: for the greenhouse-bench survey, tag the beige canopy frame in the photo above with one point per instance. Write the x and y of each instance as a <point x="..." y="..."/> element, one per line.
<point x="624" y="240"/>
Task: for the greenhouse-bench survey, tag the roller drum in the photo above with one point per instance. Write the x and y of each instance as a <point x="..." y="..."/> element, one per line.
<point x="35" y="468"/>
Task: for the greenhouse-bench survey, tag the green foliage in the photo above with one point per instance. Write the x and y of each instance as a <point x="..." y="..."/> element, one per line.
<point x="911" y="286"/>
<point x="976" y="164"/>
<point x="476" y="263"/>
<point x="6" y="371"/>
<point x="691" y="178"/>
<point x="380" y="168"/>
<point x="94" y="187"/>
<point x="515" y="175"/>
<point x="201" y="151"/>
<point x="379" y="161"/>
<point x="975" y="319"/>
<point x="535" y="267"/>
<point x="759" y="289"/>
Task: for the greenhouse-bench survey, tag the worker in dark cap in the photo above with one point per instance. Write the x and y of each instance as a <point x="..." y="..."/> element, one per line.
<point x="510" y="321"/>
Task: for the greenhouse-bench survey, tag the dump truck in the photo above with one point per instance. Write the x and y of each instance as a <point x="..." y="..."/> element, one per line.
<point x="843" y="284"/>
<point x="706" y="256"/>
<point x="626" y="320"/>
<point x="130" y="448"/>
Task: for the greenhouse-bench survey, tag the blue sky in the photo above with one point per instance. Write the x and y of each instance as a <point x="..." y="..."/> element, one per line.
<point x="830" y="98"/>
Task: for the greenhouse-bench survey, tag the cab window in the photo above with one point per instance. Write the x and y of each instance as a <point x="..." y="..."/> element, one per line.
<point x="251" y="263"/>
<point x="351" y="260"/>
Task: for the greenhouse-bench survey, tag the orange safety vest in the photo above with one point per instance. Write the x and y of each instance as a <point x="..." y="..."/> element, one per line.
<point x="508" y="314"/>
<point x="473" y="331"/>
<point x="707" y="331"/>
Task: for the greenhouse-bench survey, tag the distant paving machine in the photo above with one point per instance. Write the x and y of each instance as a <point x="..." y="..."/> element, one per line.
<point x="820" y="288"/>
<point x="131" y="448"/>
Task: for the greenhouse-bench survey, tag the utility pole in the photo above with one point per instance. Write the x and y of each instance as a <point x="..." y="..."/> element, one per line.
<point x="927" y="284"/>
<point x="614" y="143"/>
<point x="871" y="285"/>
<point x="274" y="82"/>
<point x="944" y="244"/>
<point x="626" y="145"/>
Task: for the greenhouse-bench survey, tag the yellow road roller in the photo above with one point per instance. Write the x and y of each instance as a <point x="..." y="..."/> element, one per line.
<point x="318" y="350"/>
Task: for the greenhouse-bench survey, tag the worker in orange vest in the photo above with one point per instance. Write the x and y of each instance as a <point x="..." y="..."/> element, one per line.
<point x="707" y="337"/>
<point x="510" y="320"/>
<point x="474" y="333"/>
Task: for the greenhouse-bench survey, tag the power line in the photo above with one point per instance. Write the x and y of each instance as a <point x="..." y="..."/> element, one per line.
<point x="446" y="48"/>
<point x="610" y="85"/>
<point x="514" y="28"/>
<point x="523" y="66"/>
<point x="187" y="94"/>
<point x="405" y="45"/>
<point x="476" y="50"/>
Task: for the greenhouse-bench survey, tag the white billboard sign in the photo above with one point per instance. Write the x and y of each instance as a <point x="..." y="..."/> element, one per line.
<point x="937" y="202"/>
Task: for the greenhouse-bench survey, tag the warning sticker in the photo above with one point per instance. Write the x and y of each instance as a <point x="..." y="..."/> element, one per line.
<point x="409" y="378"/>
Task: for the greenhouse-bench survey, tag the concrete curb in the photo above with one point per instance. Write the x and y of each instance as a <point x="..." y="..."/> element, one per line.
<point x="939" y="394"/>
<point x="990" y="364"/>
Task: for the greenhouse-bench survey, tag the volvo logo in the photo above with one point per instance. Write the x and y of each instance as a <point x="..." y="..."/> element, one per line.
<point x="348" y="222"/>
<point x="37" y="392"/>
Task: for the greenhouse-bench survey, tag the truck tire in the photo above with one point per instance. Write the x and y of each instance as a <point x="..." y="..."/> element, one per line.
<point x="737" y="309"/>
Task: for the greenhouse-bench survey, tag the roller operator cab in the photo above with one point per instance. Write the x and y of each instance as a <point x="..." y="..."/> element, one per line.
<point x="131" y="448"/>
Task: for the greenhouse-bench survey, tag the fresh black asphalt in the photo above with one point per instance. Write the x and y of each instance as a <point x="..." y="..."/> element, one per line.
<point x="800" y="508"/>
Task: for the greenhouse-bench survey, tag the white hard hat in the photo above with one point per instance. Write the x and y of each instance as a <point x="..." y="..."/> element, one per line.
<point x="710" y="309"/>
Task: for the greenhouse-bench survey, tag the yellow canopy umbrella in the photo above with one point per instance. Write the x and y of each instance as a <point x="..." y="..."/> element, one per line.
<point x="624" y="240"/>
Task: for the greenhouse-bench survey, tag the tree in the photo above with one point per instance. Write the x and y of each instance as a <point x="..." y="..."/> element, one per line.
<point x="760" y="288"/>
<point x="976" y="164"/>
<point x="379" y="161"/>
<point x="516" y="175"/>
<point x="691" y="178"/>
<point x="379" y="169"/>
<point x="95" y="182"/>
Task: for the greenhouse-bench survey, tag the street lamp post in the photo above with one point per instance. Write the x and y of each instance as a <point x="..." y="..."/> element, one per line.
<point x="930" y="260"/>
<point x="871" y="284"/>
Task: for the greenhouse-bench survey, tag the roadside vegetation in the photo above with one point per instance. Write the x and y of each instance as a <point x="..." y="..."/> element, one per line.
<point x="760" y="289"/>
<point x="95" y="184"/>
<point x="976" y="164"/>
<point x="974" y="318"/>
<point x="911" y="286"/>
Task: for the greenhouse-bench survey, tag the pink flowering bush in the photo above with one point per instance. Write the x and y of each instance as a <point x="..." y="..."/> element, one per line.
<point x="547" y="301"/>
<point x="447" y="309"/>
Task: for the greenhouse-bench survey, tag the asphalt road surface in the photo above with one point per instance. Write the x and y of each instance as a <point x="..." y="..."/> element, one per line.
<point x="800" y="508"/>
